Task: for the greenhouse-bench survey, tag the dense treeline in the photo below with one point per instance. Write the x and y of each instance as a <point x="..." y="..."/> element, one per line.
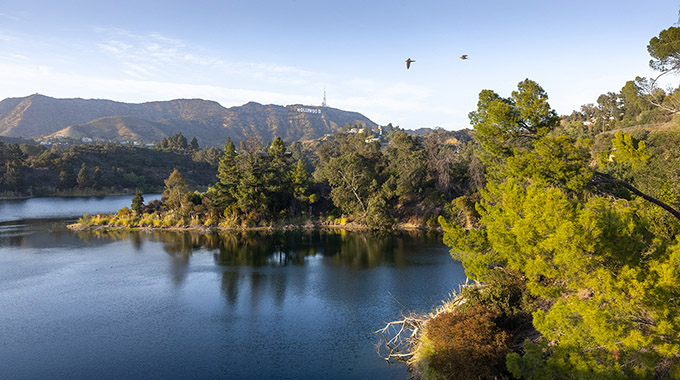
<point x="97" y="169"/>
<point x="351" y="176"/>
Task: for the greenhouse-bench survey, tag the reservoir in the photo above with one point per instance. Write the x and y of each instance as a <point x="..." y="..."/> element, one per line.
<point x="181" y="305"/>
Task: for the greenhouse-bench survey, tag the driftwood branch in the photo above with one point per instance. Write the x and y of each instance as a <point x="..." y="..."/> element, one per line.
<point x="399" y="340"/>
<point x="603" y="177"/>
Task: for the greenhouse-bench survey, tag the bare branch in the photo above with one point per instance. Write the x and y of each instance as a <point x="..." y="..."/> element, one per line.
<point x="609" y="179"/>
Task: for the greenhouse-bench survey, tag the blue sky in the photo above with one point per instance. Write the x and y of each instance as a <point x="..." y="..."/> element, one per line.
<point x="286" y="52"/>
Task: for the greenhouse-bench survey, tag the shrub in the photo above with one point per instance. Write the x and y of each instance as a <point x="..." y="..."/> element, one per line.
<point x="466" y="345"/>
<point x="124" y="212"/>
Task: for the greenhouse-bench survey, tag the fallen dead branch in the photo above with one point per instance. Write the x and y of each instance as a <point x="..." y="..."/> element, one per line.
<point x="400" y="340"/>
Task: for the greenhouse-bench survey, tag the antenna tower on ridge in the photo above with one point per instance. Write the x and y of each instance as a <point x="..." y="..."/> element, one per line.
<point x="324" y="104"/>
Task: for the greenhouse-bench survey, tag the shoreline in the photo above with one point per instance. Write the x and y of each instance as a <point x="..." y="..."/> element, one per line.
<point x="70" y="194"/>
<point x="285" y="227"/>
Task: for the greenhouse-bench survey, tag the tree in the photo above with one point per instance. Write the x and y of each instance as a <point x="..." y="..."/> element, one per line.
<point x="193" y="144"/>
<point x="407" y="164"/>
<point x="301" y="180"/>
<point x="605" y="280"/>
<point x="137" y="202"/>
<point x="83" y="179"/>
<point x="665" y="53"/>
<point x="504" y="125"/>
<point x="175" y="190"/>
<point x="665" y="50"/>
<point x="12" y="167"/>
<point x="350" y="176"/>
<point x="250" y="195"/>
<point x="97" y="178"/>
<point x="228" y="174"/>
<point x="277" y="177"/>
<point x="66" y="177"/>
<point x="300" y="184"/>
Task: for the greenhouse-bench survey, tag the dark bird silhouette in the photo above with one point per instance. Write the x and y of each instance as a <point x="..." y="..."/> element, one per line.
<point x="464" y="57"/>
<point x="408" y="63"/>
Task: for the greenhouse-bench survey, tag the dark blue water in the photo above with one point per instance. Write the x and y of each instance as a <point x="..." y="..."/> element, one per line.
<point x="238" y="306"/>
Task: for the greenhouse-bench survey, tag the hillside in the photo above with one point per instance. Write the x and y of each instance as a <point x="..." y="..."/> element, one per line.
<point x="43" y="117"/>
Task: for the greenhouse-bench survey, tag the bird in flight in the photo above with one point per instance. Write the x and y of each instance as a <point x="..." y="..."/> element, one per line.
<point x="408" y="63"/>
<point x="464" y="57"/>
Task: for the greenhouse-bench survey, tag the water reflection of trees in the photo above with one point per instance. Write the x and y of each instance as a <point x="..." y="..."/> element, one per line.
<point x="249" y="259"/>
<point x="282" y="248"/>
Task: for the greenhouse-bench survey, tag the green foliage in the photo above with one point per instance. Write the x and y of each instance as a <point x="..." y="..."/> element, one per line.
<point x="628" y="150"/>
<point x="407" y="164"/>
<point x="665" y="50"/>
<point x="350" y="176"/>
<point x="137" y="202"/>
<point x="228" y="174"/>
<point x="601" y="279"/>
<point x="193" y="144"/>
<point x="175" y="190"/>
<point x="83" y="177"/>
<point x="557" y="160"/>
<point x="176" y="142"/>
<point x="504" y="125"/>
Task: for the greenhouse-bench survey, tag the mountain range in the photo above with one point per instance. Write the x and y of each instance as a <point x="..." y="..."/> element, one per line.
<point x="42" y="118"/>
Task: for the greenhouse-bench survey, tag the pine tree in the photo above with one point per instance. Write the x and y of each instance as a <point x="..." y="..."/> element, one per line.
<point x="277" y="177"/>
<point x="83" y="179"/>
<point x="97" y="178"/>
<point x="137" y="202"/>
<point x="227" y="174"/>
<point x="193" y="144"/>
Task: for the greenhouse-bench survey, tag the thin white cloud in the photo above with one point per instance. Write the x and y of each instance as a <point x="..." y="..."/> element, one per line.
<point x="8" y="16"/>
<point x="4" y="37"/>
<point x="168" y="55"/>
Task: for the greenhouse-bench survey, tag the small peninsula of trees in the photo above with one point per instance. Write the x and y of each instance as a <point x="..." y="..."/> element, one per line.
<point x="349" y="176"/>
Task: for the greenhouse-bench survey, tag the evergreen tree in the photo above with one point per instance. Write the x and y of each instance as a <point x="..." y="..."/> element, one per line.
<point x="83" y="179"/>
<point x="228" y="175"/>
<point x="301" y="180"/>
<point x="66" y="177"/>
<point x="277" y="177"/>
<point x="300" y="185"/>
<point x="251" y="197"/>
<point x="606" y="283"/>
<point x="97" y="178"/>
<point x="193" y="144"/>
<point x="137" y="202"/>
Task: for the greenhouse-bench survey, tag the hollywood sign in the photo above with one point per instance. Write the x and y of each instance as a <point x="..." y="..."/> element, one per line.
<point x="309" y="110"/>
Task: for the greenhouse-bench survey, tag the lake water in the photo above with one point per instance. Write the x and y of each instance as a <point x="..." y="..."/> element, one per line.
<point x="133" y="305"/>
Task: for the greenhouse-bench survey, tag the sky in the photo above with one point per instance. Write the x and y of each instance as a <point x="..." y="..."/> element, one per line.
<point x="288" y="51"/>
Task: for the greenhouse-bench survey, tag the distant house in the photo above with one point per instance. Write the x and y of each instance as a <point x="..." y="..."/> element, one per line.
<point x="86" y="140"/>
